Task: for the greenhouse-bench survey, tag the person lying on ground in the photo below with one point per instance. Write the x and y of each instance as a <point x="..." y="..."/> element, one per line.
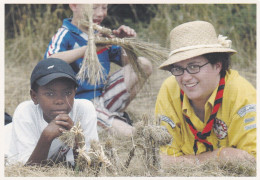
<point x="38" y="123"/>
<point x="208" y="108"/>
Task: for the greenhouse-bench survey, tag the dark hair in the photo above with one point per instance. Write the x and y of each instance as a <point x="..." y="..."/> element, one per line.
<point x="224" y="58"/>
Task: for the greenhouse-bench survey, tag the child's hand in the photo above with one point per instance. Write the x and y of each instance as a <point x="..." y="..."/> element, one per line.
<point x="124" y="31"/>
<point x="64" y="121"/>
<point x="61" y="123"/>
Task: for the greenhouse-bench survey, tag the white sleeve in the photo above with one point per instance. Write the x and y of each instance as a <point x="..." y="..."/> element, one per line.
<point x="88" y="121"/>
<point x="24" y="136"/>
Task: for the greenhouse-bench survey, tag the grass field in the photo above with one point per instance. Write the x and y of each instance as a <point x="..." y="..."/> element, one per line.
<point x="24" y="50"/>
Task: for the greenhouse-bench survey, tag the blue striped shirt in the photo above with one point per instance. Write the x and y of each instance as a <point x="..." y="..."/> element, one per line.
<point x="70" y="37"/>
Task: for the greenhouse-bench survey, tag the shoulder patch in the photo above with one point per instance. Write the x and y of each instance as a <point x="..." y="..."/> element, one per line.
<point x="167" y="120"/>
<point x="248" y="127"/>
<point x="246" y="109"/>
<point x="249" y="120"/>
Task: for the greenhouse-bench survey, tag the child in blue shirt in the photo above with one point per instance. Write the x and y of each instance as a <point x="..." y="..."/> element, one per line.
<point x="113" y="96"/>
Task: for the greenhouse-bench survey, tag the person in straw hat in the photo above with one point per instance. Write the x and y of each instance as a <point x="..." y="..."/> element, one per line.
<point x="208" y="108"/>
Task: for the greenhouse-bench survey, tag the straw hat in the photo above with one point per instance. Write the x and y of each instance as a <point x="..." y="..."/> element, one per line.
<point x="193" y="39"/>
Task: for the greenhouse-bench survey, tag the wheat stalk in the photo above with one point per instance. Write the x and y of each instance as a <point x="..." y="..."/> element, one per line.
<point x="74" y="137"/>
<point x="152" y="51"/>
<point x="91" y="68"/>
<point x="100" y="29"/>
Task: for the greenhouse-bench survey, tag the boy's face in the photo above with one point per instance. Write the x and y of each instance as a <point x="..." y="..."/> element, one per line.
<point x="56" y="97"/>
<point x="99" y="12"/>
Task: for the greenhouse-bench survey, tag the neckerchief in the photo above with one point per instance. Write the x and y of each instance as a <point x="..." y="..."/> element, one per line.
<point x="201" y="136"/>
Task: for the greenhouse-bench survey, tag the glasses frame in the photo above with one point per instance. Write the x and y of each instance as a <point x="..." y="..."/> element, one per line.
<point x="187" y="69"/>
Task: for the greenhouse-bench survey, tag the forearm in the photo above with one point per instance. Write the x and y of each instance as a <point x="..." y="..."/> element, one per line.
<point x="40" y="152"/>
<point x="223" y="154"/>
<point x="71" y="55"/>
<point x="124" y="57"/>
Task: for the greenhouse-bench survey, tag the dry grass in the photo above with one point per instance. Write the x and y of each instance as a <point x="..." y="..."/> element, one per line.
<point x="117" y="150"/>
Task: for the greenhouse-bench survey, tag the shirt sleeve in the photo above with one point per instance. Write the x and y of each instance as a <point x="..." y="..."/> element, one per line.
<point x="115" y="55"/>
<point x="242" y="129"/>
<point x="165" y="111"/>
<point x="24" y="135"/>
<point x="59" y="42"/>
<point x="88" y="121"/>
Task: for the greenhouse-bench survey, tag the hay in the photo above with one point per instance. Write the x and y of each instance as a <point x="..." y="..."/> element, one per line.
<point x="91" y="68"/>
<point x="100" y="29"/>
<point x="73" y="138"/>
<point x="152" y="51"/>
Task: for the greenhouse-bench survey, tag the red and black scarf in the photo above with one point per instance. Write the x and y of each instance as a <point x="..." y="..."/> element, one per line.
<point x="201" y="136"/>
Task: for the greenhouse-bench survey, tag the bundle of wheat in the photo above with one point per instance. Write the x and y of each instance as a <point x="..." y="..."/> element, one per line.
<point x="152" y="51"/>
<point x="91" y="68"/>
<point x="91" y="160"/>
<point x="102" y="30"/>
<point x="149" y="138"/>
<point x="135" y="48"/>
<point x="73" y="138"/>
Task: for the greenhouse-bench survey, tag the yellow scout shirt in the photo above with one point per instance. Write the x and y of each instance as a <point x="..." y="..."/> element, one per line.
<point x="235" y="124"/>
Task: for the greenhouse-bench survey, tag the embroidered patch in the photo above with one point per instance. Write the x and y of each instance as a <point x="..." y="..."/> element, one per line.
<point x="168" y="120"/>
<point x="248" y="127"/>
<point x="246" y="109"/>
<point x="249" y="120"/>
<point x="220" y="129"/>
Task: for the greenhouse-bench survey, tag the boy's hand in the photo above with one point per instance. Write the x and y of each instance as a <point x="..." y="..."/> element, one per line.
<point x="124" y="31"/>
<point x="61" y="123"/>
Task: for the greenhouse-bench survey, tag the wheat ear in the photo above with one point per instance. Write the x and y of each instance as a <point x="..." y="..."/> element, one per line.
<point x="91" y="68"/>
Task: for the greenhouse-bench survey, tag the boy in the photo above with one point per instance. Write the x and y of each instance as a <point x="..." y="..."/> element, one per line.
<point x="37" y="123"/>
<point x="113" y="96"/>
<point x="209" y="109"/>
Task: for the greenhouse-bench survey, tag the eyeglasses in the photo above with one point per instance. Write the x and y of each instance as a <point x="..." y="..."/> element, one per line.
<point x="191" y="69"/>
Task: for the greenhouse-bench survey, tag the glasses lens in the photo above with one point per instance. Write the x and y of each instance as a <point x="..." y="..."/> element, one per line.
<point x="176" y="71"/>
<point x="192" y="69"/>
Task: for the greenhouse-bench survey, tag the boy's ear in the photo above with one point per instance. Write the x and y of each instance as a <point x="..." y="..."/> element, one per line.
<point x="34" y="96"/>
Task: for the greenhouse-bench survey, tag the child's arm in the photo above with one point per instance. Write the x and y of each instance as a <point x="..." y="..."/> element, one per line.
<point x="54" y="129"/>
<point x="122" y="32"/>
<point x="72" y="55"/>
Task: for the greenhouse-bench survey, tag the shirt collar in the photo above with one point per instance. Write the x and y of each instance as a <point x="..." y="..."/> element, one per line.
<point x="186" y="106"/>
<point x="68" y="25"/>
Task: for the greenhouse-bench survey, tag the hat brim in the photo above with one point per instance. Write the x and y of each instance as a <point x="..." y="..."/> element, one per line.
<point x="48" y="78"/>
<point x="184" y="55"/>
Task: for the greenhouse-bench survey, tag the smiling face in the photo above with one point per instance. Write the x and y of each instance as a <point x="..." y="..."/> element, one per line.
<point x="99" y="12"/>
<point x="57" y="97"/>
<point x="199" y="87"/>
